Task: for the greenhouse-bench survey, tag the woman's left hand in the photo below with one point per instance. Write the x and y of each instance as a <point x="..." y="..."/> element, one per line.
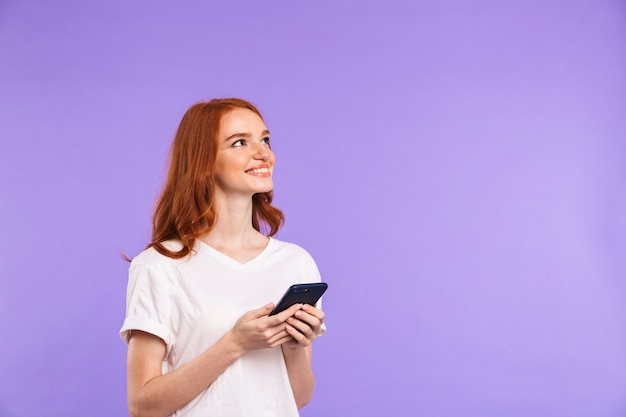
<point x="305" y="326"/>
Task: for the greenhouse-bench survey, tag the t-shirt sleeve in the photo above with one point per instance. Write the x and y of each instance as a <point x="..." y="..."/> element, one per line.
<point x="148" y="304"/>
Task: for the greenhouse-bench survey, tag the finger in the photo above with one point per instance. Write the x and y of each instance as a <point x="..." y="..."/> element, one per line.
<point x="297" y="336"/>
<point x="285" y="314"/>
<point x="309" y="319"/>
<point x="314" y="311"/>
<point x="302" y="327"/>
<point x="279" y="335"/>
<point x="286" y="339"/>
<point x="260" y="312"/>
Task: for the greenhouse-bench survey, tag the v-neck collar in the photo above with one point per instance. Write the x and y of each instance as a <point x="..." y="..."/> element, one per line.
<point x="205" y="247"/>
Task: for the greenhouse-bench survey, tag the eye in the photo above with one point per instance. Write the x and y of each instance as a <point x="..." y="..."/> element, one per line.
<point x="239" y="142"/>
<point x="266" y="140"/>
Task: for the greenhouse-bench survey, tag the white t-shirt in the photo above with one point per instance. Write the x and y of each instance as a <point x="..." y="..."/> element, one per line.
<point x="192" y="302"/>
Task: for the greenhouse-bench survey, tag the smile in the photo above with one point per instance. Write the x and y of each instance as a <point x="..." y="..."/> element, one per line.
<point x="258" y="171"/>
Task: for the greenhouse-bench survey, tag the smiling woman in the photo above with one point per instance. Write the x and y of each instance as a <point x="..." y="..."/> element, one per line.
<point x="244" y="161"/>
<point x="187" y="207"/>
<point x="201" y="341"/>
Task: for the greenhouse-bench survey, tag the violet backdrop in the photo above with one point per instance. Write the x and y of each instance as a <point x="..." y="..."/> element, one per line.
<point x="457" y="169"/>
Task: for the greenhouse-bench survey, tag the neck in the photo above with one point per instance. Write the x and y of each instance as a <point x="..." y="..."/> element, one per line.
<point x="234" y="225"/>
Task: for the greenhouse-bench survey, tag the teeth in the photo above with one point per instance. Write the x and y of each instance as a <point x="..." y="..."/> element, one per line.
<point x="258" y="170"/>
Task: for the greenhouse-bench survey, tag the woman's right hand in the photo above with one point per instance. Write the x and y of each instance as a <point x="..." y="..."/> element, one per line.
<point x="256" y="329"/>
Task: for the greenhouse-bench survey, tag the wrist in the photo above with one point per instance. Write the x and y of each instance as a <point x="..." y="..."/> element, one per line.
<point x="233" y="344"/>
<point x="292" y="349"/>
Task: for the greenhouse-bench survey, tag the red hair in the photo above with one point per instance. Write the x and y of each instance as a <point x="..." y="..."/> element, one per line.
<point x="186" y="208"/>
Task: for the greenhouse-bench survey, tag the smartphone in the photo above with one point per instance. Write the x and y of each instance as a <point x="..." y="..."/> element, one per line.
<point x="300" y="294"/>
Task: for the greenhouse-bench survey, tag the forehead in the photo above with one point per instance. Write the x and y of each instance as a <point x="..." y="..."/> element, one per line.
<point x="241" y="120"/>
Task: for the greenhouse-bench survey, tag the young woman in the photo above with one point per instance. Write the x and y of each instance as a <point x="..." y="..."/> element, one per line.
<point x="200" y="338"/>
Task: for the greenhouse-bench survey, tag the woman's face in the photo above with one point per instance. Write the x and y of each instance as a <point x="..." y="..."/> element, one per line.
<point x="244" y="160"/>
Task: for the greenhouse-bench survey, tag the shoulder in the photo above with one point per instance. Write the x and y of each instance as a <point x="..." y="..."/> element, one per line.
<point x="293" y="254"/>
<point x="290" y="248"/>
<point x="151" y="270"/>
<point x="150" y="257"/>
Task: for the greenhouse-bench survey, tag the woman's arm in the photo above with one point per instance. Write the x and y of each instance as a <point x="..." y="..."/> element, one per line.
<point x="301" y="378"/>
<point x="150" y="393"/>
<point x="304" y="328"/>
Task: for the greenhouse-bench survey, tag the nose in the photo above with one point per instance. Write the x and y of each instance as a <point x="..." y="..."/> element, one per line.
<point x="262" y="151"/>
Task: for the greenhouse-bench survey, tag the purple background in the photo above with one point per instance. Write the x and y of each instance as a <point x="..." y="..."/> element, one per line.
<point x="457" y="168"/>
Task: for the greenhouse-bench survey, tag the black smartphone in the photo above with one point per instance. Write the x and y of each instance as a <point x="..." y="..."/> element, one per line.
<point x="300" y="294"/>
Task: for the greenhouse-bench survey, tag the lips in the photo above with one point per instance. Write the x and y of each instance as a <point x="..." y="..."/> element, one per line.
<point x="262" y="171"/>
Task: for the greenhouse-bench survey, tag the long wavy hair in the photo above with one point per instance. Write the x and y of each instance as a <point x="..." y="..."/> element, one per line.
<point x="186" y="207"/>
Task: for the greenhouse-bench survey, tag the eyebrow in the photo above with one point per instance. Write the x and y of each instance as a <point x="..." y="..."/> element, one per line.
<point x="245" y="135"/>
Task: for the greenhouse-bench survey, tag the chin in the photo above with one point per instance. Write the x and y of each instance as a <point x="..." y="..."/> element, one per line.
<point x="265" y="188"/>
